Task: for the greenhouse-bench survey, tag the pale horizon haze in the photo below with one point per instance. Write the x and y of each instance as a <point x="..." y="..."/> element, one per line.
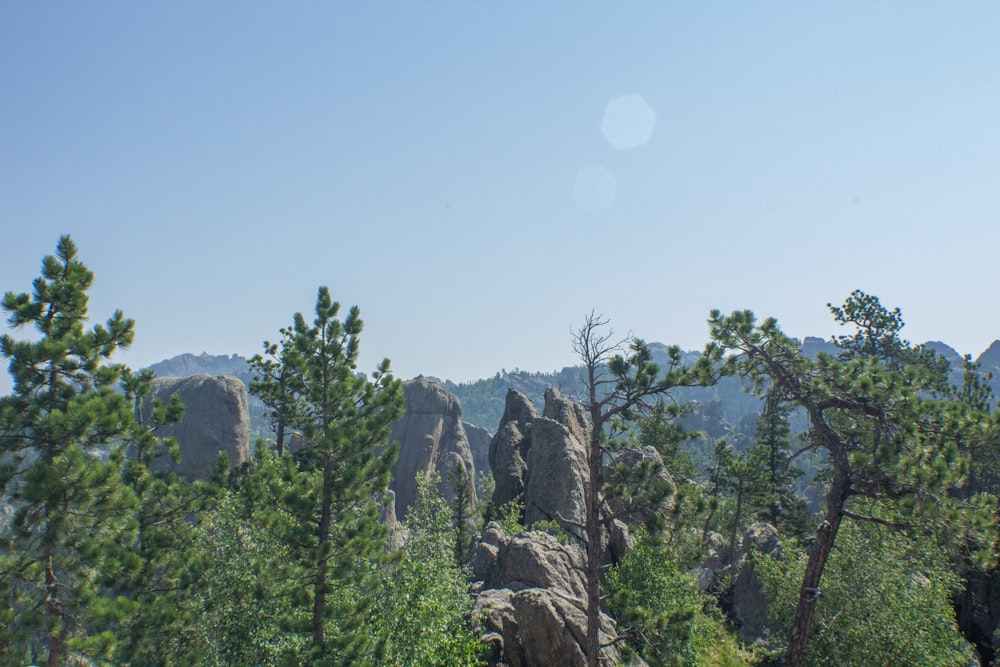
<point x="478" y="176"/>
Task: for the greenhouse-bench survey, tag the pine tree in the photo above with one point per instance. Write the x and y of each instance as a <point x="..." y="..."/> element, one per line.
<point x="620" y="389"/>
<point x="772" y="452"/>
<point x="277" y="383"/>
<point x="322" y="499"/>
<point x="61" y="445"/>
<point x="462" y="514"/>
<point x="740" y="477"/>
<point x="875" y="413"/>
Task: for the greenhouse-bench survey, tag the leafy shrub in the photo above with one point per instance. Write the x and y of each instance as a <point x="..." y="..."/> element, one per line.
<point x="885" y="600"/>
<point x="668" y="621"/>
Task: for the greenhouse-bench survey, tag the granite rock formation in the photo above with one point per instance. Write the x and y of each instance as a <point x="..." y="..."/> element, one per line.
<point x="509" y="449"/>
<point x="431" y="439"/>
<point x="215" y="420"/>
<point x="531" y="601"/>
<point x="541" y="460"/>
<point x="479" y="443"/>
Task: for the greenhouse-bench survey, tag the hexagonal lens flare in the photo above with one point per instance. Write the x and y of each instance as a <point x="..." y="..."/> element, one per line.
<point x="628" y="122"/>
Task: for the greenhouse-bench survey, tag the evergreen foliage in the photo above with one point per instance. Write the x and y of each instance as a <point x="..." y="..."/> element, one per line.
<point x="162" y="567"/>
<point x="62" y="439"/>
<point x="321" y="502"/>
<point x="875" y="411"/>
<point x="111" y="558"/>
<point x="425" y="607"/>
<point x="277" y="383"/>
<point x="772" y="452"/>
<point x="621" y="386"/>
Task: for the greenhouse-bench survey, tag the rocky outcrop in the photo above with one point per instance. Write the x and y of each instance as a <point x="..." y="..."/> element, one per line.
<point x="531" y="601"/>
<point x="509" y="449"/>
<point x="572" y="415"/>
<point x="397" y="532"/>
<point x="215" y="420"/>
<point x="638" y="467"/>
<point x="541" y="460"/>
<point x="555" y="481"/>
<point x="747" y="599"/>
<point x="431" y="439"/>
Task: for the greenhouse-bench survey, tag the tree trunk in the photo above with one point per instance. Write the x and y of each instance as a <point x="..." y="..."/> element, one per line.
<point x="594" y="546"/>
<point x="319" y="583"/>
<point x="57" y="641"/>
<point x="826" y="534"/>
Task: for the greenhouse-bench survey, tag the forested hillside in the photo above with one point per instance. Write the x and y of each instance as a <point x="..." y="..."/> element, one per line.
<point x="678" y="531"/>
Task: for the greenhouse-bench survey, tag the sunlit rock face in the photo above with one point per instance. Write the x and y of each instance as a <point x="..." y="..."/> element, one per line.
<point x="431" y="439"/>
<point x="216" y="420"/>
<point x="530" y="603"/>
<point x="541" y="460"/>
<point x="556" y="480"/>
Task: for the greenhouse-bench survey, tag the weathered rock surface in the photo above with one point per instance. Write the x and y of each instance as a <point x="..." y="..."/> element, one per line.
<point x="509" y="449"/>
<point x="637" y="463"/>
<point x="531" y="601"/>
<point x="215" y="420"/>
<point x="397" y="532"/>
<point x="431" y="439"/>
<point x="555" y="480"/>
<point x="571" y="415"/>
<point x="527" y="560"/>
<point x="541" y="460"/>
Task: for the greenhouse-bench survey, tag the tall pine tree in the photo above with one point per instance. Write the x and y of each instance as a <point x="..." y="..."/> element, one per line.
<point x="875" y="413"/>
<point x="61" y="442"/>
<point x="323" y="499"/>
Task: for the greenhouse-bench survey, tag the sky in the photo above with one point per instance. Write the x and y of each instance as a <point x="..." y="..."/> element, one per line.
<point x="478" y="176"/>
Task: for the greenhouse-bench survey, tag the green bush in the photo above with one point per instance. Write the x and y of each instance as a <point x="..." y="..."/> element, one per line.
<point x="668" y="621"/>
<point x="885" y="600"/>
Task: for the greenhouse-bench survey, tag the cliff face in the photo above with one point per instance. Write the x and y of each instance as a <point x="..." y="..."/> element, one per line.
<point x="431" y="439"/>
<point x="216" y="420"/>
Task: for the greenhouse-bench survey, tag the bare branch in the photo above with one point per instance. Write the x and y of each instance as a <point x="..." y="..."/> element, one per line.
<point x="882" y="522"/>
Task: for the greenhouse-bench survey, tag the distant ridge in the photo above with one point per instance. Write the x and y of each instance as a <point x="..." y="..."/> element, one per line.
<point x="483" y="400"/>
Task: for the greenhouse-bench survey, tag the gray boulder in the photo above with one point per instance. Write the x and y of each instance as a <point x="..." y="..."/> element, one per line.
<point x="531" y="601"/>
<point x="216" y="420"/>
<point x="431" y="440"/>
<point x="527" y="560"/>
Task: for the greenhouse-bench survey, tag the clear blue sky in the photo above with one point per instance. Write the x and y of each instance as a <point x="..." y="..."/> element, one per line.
<point x="443" y="166"/>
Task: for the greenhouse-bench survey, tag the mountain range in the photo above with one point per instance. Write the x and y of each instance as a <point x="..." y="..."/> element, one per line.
<point x="483" y="400"/>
